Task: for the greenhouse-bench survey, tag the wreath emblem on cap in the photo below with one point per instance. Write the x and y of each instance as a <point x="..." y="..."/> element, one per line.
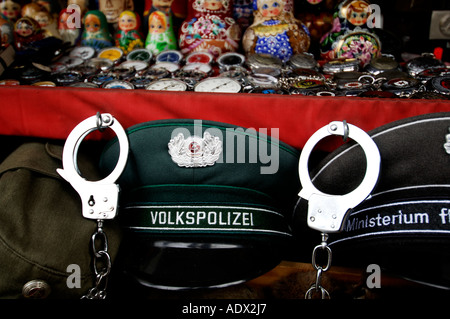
<point x="195" y="151"/>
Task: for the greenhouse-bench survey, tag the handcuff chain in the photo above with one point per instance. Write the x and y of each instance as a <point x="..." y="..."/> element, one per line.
<point x="101" y="264"/>
<point x="317" y="285"/>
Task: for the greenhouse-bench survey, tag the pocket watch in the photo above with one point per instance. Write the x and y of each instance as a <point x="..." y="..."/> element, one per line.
<point x="269" y="91"/>
<point x="382" y="64"/>
<point x="117" y="84"/>
<point x="402" y="87"/>
<point x="190" y="77"/>
<point x="101" y="78"/>
<point x="68" y="77"/>
<point x="138" y="66"/>
<point x="264" y="63"/>
<point x="203" y="67"/>
<point x="303" y="61"/>
<point x="83" y="52"/>
<point x="155" y="72"/>
<point x="425" y="61"/>
<point x="341" y="65"/>
<point x="230" y="60"/>
<point x="70" y="61"/>
<point x="218" y="84"/>
<point x="140" y="82"/>
<point x="199" y="57"/>
<point x="45" y="83"/>
<point x="112" y="53"/>
<point x="84" y="85"/>
<point x="169" y="66"/>
<point x="428" y="74"/>
<point x="440" y="84"/>
<point x="140" y="55"/>
<point x="167" y="84"/>
<point x="173" y="56"/>
<point x="262" y="80"/>
<point x="100" y="63"/>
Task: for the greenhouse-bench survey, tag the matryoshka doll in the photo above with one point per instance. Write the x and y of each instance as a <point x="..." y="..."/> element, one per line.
<point x="128" y="36"/>
<point x="275" y="31"/>
<point x="10" y="10"/>
<point x="96" y="33"/>
<point x="47" y="22"/>
<point x="350" y="37"/>
<point x="209" y="27"/>
<point x="26" y="32"/>
<point x="68" y="33"/>
<point x="160" y="35"/>
<point x="113" y="8"/>
<point x="6" y="33"/>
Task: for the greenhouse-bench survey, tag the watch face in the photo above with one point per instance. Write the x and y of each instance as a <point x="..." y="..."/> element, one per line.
<point x="173" y="56"/>
<point x="218" y="84"/>
<point x="117" y="84"/>
<point x="167" y="85"/>
<point x="263" y="80"/>
<point x="83" y="52"/>
<point x="101" y="63"/>
<point x="70" y="61"/>
<point x="136" y="65"/>
<point x="199" y="57"/>
<point x="112" y="54"/>
<point x="230" y="59"/>
<point x="66" y="78"/>
<point x="140" y="55"/>
<point x="169" y="66"/>
<point x="198" y="67"/>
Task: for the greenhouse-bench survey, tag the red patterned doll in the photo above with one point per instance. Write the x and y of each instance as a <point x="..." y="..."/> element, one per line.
<point x="209" y="27"/>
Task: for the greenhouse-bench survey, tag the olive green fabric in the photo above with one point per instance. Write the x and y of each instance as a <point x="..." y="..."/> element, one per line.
<point x="42" y="230"/>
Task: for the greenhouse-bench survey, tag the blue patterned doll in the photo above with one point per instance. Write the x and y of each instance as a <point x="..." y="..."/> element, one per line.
<point x="96" y="33"/>
<point x="275" y="31"/>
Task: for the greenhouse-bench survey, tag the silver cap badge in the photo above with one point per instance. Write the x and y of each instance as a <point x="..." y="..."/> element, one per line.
<point x="195" y="151"/>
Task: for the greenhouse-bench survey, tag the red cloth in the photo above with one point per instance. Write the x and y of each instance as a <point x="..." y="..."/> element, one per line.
<point x="54" y="112"/>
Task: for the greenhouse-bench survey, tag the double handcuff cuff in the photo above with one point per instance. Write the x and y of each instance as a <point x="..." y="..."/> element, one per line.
<point x="99" y="199"/>
<point x="327" y="213"/>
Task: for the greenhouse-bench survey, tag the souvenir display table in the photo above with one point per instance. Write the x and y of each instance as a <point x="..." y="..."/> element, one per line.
<point x="53" y="112"/>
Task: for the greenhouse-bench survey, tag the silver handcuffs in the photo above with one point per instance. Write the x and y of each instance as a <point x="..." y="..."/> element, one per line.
<point x="326" y="212"/>
<point x="99" y="198"/>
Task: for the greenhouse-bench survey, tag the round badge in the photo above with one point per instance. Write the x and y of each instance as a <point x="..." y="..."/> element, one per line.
<point x="307" y="84"/>
<point x="8" y="82"/>
<point x="112" y="54"/>
<point x="83" y="52"/>
<point x="199" y="57"/>
<point x="140" y="55"/>
<point x="172" y="56"/>
<point x="117" y="84"/>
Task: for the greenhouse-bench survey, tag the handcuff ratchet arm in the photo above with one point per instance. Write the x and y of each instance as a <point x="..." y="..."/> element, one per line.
<point x="99" y="198"/>
<point x="326" y="212"/>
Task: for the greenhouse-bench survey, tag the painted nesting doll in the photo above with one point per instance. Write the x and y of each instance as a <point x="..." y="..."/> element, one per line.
<point x="160" y="35"/>
<point x="275" y="31"/>
<point x="26" y="32"/>
<point x="96" y="33"/>
<point x="6" y="33"/>
<point x="243" y="13"/>
<point x="350" y="37"/>
<point x="10" y="10"/>
<point x="68" y="31"/>
<point x="48" y="23"/>
<point x="113" y="8"/>
<point x="128" y="36"/>
<point x="209" y="27"/>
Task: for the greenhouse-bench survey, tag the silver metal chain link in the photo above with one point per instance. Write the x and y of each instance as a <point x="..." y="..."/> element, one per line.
<point x="101" y="263"/>
<point x="317" y="287"/>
